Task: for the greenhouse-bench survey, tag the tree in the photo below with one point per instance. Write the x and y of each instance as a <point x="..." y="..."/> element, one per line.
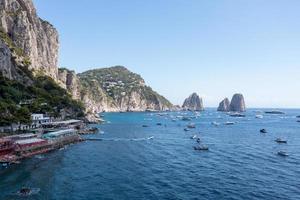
<point x="23" y="116"/>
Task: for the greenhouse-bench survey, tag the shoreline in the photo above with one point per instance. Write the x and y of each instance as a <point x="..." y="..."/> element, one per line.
<point x="16" y="147"/>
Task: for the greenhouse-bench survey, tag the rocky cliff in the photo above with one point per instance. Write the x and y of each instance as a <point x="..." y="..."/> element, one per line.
<point x="111" y="89"/>
<point x="118" y="89"/>
<point x="237" y="103"/>
<point x="193" y="103"/>
<point x="29" y="49"/>
<point x="28" y="66"/>
<point x="224" y="105"/>
<point x="69" y="80"/>
<point x="31" y="41"/>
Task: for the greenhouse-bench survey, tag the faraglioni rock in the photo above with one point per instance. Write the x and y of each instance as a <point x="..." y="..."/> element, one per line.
<point x="193" y="103"/>
<point x="237" y="103"/>
<point x="224" y="105"/>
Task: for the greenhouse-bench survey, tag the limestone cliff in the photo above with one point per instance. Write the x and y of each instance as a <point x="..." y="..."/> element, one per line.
<point x="237" y="103"/>
<point x="118" y="89"/>
<point x="193" y="103"/>
<point x="32" y="41"/>
<point x="69" y="81"/>
<point x="6" y="65"/>
<point x="224" y="105"/>
<point x="29" y="49"/>
<point x="28" y="66"/>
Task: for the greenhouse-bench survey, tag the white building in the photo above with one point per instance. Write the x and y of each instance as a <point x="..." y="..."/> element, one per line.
<point x="39" y="119"/>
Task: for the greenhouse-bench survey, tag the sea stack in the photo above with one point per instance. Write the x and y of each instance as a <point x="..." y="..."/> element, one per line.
<point x="237" y="103"/>
<point x="224" y="106"/>
<point x="193" y="103"/>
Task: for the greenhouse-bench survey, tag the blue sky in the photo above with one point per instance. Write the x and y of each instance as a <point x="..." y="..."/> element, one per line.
<point x="212" y="47"/>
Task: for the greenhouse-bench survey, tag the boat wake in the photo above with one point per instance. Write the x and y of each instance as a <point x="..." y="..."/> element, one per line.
<point x="128" y="140"/>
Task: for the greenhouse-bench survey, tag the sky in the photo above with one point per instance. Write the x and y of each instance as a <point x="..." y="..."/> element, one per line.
<point x="213" y="47"/>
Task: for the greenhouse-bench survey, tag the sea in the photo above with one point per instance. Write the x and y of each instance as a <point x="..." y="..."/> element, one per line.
<point x="151" y="156"/>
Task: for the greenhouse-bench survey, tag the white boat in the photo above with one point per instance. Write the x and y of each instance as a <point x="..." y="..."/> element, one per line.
<point x="259" y="116"/>
<point x="151" y="138"/>
<point x="282" y="153"/>
<point x="194" y="137"/>
<point x="229" y="123"/>
<point x="215" y="123"/>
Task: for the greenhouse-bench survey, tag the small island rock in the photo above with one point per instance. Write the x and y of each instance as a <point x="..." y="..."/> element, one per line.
<point x="193" y="103"/>
<point x="224" y="105"/>
<point x="237" y="103"/>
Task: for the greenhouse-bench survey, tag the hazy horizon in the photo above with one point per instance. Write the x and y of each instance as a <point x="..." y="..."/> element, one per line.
<point x="214" y="48"/>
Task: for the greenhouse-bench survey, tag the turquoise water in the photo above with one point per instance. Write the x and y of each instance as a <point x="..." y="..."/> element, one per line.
<point x="241" y="162"/>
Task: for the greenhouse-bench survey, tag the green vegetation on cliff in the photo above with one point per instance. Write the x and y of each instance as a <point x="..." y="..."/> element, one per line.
<point x="27" y="94"/>
<point x="17" y="100"/>
<point x="18" y="51"/>
<point x="118" y="83"/>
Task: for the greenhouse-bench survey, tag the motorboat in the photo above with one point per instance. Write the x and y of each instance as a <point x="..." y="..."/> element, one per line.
<point x="194" y="137"/>
<point x="229" y="123"/>
<point x="4" y="164"/>
<point x="191" y="125"/>
<point x="186" y="119"/>
<point x="259" y="116"/>
<point x="25" y="191"/>
<point x="279" y="140"/>
<point x="263" y="130"/>
<point x="282" y="153"/>
<point x="237" y="115"/>
<point x="215" y="123"/>
<point x="201" y="148"/>
<point x="276" y="112"/>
